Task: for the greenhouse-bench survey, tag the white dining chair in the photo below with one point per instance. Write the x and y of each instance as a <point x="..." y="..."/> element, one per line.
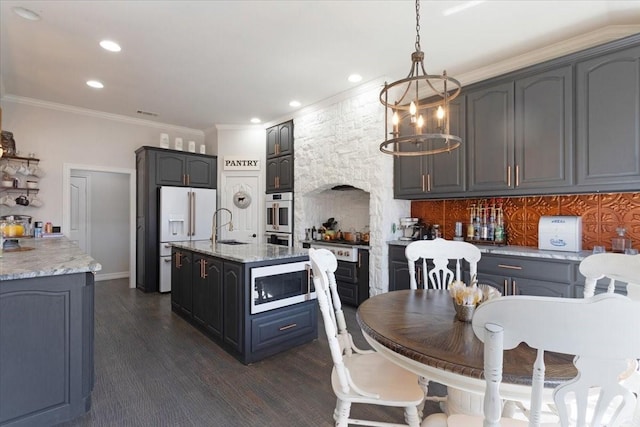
<point x="359" y="376"/>
<point x="615" y="267"/>
<point x="599" y="331"/>
<point x="440" y="252"/>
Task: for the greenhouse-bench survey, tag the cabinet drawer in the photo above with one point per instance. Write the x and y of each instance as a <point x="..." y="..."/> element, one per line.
<point x="348" y="293"/>
<point x="549" y="270"/>
<point x="347" y="272"/>
<point x="280" y="326"/>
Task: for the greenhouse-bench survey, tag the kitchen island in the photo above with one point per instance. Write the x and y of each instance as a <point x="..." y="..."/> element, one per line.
<point x="46" y="332"/>
<point x="254" y="300"/>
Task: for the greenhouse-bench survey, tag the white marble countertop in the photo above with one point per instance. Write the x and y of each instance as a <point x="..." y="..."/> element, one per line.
<point x="524" y="251"/>
<point x="49" y="257"/>
<point x="250" y="252"/>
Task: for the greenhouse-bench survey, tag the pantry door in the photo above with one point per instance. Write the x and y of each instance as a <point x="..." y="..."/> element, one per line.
<point x="79" y="211"/>
<point x="241" y="195"/>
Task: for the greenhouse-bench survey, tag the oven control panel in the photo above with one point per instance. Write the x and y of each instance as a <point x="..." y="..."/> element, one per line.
<point x="342" y="253"/>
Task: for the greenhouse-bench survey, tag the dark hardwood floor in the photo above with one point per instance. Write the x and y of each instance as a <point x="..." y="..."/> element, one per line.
<point x="154" y="369"/>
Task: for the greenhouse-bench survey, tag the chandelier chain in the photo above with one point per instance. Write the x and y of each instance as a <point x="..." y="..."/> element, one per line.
<point x="418" y="26"/>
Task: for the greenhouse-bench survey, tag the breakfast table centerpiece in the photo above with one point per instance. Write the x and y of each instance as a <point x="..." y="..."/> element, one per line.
<point x="467" y="298"/>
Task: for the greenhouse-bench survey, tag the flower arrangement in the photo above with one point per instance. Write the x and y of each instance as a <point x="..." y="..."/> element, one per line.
<point x="466" y="298"/>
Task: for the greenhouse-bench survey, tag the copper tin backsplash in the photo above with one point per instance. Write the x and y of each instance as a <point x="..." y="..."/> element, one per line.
<point x="601" y="215"/>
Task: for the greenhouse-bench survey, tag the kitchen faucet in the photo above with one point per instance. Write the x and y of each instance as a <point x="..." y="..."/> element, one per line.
<point x="214" y="227"/>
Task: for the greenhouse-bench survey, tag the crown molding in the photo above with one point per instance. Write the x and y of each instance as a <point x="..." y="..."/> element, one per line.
<point x="98" y="114"/>
<point x="556" y="50"/>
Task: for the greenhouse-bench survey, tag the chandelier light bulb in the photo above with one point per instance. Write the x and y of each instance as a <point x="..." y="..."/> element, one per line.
<point x="440" y="113"/>
<point x="412" y="108"/>
<point x="420" y="121"/>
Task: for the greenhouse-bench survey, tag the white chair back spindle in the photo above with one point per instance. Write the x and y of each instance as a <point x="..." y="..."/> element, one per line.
<point x="616" y="267"/>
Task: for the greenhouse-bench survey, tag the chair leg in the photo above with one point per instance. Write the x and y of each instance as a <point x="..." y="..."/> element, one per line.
<point x="341" y="413"/>
<point x="411" y="416"/>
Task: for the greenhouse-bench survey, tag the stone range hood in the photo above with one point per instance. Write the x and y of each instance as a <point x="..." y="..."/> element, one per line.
<point x="347" y="204"/>
<point x="338" y="144"/>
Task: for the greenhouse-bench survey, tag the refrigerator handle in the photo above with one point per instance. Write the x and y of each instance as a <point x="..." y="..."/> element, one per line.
<point x="192" y="213"/>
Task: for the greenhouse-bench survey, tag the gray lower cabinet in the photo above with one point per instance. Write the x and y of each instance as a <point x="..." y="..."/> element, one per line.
<point x="608" y="120"/>
<point x="513" y="275"/>
<point x="352" y="279"/>
<point x="422" y="177"/>
<point x="47" y="349"/>
<point x="213" y="294"/>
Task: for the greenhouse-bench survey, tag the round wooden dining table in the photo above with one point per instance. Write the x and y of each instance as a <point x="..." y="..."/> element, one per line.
<point x="417" y="329"/>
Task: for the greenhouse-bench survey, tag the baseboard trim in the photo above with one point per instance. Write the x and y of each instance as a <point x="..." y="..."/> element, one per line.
<point x="112" y="276"/>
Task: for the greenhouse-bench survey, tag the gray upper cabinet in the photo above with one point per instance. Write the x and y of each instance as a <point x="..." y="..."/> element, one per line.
<point x="564" y="126"/>
<point x="521" y="134"/>
<point x="280" y="140"/>
<point x="544" y="130"/>
<point x="608" y="120"/>
<point x="422" y="177"/>
<point x="490" y="137"/>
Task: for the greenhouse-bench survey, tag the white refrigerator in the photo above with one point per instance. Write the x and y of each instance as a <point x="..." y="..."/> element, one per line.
<point x="185" y="214"/>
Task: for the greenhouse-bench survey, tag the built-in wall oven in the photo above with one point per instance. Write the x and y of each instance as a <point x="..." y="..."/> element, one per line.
<point x="279" y="213"/>
<point x="280" y="285"/>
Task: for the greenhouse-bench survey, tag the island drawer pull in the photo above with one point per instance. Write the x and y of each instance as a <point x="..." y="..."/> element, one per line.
<point x="510" y="267"/>
<point x="284" y="328"/>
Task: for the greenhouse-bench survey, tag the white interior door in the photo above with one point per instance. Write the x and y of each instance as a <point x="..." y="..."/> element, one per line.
<point x="79" y="212"/>
<point x="246" y="216"/>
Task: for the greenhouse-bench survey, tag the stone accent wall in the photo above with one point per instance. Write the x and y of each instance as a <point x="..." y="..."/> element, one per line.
<point x="338" y="144"/>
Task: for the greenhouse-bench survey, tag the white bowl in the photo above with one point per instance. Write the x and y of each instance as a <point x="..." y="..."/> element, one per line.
<point x="31" y="184"/>
<point x="7" y="183"/>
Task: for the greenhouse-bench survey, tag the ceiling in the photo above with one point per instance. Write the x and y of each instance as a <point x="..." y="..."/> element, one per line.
<point x="199" y="64"/>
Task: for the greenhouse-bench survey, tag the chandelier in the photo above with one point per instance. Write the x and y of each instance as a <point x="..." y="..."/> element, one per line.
<point x="414" y="97"/>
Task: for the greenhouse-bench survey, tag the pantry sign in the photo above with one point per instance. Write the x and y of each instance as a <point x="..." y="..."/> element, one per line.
<point x="240" y="163"/>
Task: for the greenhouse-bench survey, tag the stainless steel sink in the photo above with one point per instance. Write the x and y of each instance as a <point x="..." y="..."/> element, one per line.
<point x="231" y="242"/>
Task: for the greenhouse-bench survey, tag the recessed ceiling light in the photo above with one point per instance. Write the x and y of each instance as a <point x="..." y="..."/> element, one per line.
<point x="294" y="103"/>
<point x="26" y="13"/>
<point x="256" y="120"/>
<point x="95" y="84"/>
<point x="461" y="7"/>
<point x="355" y="78"/>
<point x="110" y="45"/>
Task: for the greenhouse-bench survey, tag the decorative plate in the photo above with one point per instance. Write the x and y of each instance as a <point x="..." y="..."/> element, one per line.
<point x="241" y="199"/>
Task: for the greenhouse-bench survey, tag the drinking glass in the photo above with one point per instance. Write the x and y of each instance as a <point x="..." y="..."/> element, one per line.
<point x="631" y="251"/>
<point x="598" y="249"/>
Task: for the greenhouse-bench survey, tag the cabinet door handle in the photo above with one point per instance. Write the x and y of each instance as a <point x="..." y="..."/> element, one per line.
<point x="424" y="186"/>
<point x="510" y="267"/>
<point x="517" y="175"/>
<point x="188" y="179"/>
<point x="277" y="150"/>
<point x="359" y="260"/>
<point x="178" y="259"/>
<point x="428" y="182"/>
<point x="504" y="287"/>
<point x="509" y="176"/>
<point x="513" y="288"/>
<point x="284" y="328"/>
<point x="203" y="268"/>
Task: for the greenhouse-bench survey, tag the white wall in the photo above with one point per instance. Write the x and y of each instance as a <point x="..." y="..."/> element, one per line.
<point x="58" y="135"/>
